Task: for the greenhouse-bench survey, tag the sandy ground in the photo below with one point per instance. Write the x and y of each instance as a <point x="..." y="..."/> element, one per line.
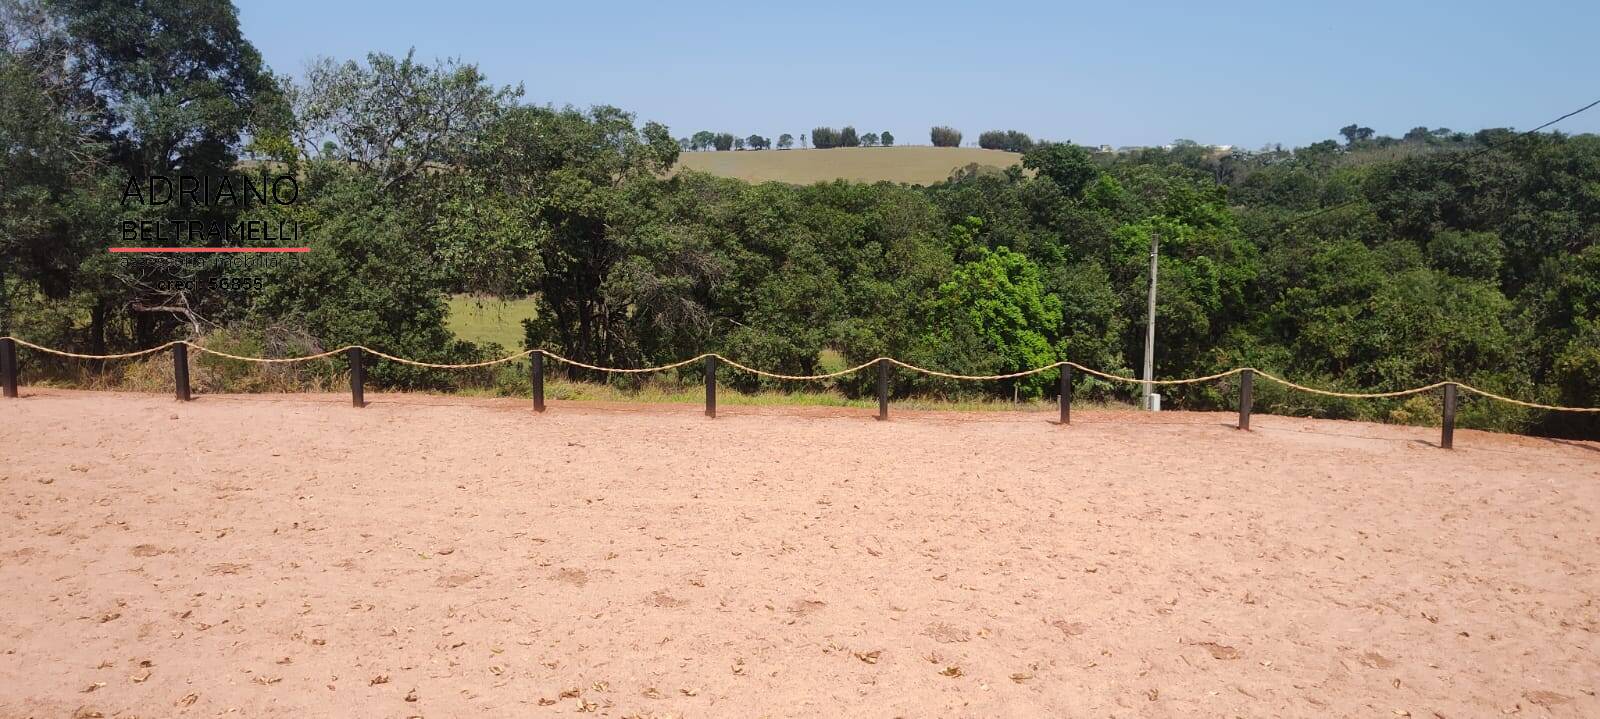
<point x="444" y="557"/>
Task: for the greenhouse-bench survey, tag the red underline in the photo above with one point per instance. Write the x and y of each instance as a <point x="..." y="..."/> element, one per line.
<point x="211" y="249"/>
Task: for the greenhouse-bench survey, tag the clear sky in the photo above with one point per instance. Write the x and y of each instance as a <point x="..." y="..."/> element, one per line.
<point x="1240" y="73"/>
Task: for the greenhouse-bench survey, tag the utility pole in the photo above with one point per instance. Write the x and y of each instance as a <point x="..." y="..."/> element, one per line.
<point x="1150" y="327"/>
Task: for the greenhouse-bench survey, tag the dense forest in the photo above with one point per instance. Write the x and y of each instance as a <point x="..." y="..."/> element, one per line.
<point x="1366" y="263"/>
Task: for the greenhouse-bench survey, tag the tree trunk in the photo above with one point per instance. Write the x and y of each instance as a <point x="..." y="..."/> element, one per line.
<point x="97" y="334"/>
<point x="97" y="328"/>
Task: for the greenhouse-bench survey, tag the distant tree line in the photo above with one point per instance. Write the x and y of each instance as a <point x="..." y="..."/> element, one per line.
<point x="821" y="138"/>
<point x="825" y="137"/>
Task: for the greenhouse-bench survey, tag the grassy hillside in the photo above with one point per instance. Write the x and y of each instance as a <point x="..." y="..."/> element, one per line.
<point x="490" y="319"/>
<point x="916" y="165"/>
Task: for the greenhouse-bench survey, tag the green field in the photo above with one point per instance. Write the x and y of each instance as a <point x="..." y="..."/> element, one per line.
<point x="915" y="165"/>
<point x="490" y="319"/>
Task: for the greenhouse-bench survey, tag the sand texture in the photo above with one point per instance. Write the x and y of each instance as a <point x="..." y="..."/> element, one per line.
<point x="447" y="557"/>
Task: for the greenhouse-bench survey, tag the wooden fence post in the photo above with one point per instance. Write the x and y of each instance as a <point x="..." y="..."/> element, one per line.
<point x="358" y="378"/>
<point x="1447" y="439"/>
<point x="8" y="366"/>
<point x="883" y="389"/>
<point x="538" y="380"/>
<point x="180" y="370"/>
<point x="1066" y="394"/>
<point x="1246" y="384"/>
<point x="711" y="386"/>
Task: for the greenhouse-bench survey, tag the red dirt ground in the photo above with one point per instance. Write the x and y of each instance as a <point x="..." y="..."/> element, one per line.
<point x="443" y="557"/>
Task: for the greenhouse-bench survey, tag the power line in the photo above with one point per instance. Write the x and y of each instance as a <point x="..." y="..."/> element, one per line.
<point x="1457" y="158"/>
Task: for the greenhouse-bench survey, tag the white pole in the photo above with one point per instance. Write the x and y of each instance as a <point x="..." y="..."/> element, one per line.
<point x="1150" y="327"/>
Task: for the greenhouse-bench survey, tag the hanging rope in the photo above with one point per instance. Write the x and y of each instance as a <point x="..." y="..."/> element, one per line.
<point x="814" y="377"/>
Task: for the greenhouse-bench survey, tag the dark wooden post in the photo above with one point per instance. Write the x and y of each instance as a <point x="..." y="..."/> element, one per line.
<point x="1066" y="394"/>
<point x="180" y="370"/>
<point x="711" y="386"/>
<point x="8" y="366"/>
<point x="883" y="389"/>
<point x="1246" y="384"/>
<point x="538" y="380"/>
<point x="1447" y="440"/>
<point x="358" y="377"/>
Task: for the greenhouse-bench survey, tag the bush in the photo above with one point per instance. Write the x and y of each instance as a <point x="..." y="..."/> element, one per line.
<point x="945" y="137"/>
<point x="214" y="374"/>
<point x="211" y="374"/>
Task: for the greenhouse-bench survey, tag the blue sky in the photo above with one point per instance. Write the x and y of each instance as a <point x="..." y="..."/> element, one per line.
<point x="1241" y="73"/>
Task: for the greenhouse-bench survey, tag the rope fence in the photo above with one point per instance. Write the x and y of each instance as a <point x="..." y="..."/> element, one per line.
<point x="356" y="355"/>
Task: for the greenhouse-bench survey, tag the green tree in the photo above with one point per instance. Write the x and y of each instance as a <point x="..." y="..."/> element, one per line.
<point x="785" y="141"/>
<point x="178" y="81"/>
<point x="371" y="278"/>
<point x="1355" y="134"/>
<point x="55" y="199"/>
<point x="1561" y="312"/>
<point x="1066" y="164"/>
<point x="1093" y="323"/>
<point x="120" y="90"/>
<point x="887" y="138"/>
<point x="612" y="281"/>
<point x="395" y="116"/>
<point x="999" y="298"/>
